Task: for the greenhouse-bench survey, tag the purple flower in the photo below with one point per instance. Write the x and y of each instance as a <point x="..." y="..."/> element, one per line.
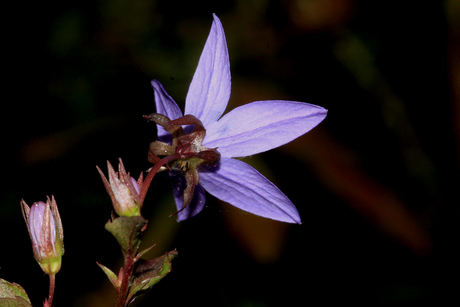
<point x="45" y="229"/>
<point x="249" y="129"/>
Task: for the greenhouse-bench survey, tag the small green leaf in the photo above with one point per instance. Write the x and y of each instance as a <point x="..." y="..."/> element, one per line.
<point x="13" y="295"/>
<point x="139" y="255"/>
<point x="148" y="272"/>
<point x="14" y="302"/>
<point x="128" y="231"/>
<point x="111" y="275"/>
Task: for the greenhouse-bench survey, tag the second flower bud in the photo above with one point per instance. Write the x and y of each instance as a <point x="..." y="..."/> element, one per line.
<point x="123" y="189"/>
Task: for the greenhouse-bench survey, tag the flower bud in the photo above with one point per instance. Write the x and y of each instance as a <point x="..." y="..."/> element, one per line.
<point x="124" y="190"/>
<point x="46" y="233"/>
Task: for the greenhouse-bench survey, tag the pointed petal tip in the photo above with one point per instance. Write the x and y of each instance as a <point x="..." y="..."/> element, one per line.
<point x="322" y="111"/>
<point x="284" y="217"/>
<point x="262" y="125"/>
<point x="164" y="104"/>
<point x="156" y="84"/>
<point x="242" y="186"/>
<point x="215" y="18"/>
<point x="210" y="88"/>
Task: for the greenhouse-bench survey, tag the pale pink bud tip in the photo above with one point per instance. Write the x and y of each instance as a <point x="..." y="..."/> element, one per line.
<point x="36" y="215"/>
<point x="135" y="185"/>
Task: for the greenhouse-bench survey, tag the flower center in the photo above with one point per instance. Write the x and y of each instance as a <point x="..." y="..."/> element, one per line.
<point x="188" y="148"/>
<point x="185" y="153"/>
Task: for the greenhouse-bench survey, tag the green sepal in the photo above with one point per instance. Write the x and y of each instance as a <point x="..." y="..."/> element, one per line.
<point x="111" y="275"/>
<point x="139" y="255"/>
<point x="128" y="231"/>
<point x="148" y="272"/>
<point x="13" y="295"/>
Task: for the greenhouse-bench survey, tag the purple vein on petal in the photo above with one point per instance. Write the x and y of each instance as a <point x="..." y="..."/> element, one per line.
<point x="244" y="187"/>
<point x="209" y="90"/>
<point x="261" y="126"/>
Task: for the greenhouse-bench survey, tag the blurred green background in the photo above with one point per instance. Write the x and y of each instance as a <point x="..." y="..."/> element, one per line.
<point x="376" y="183"/>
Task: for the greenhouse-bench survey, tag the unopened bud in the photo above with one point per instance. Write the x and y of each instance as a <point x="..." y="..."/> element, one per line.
<point x="46" y="233"/>
<point x="124" y="190"/>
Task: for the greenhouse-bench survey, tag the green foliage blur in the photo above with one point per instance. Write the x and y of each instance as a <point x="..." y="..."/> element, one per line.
<point x="376" y="183"/>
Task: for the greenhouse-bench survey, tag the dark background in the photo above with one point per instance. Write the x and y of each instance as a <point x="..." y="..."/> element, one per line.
<point x="376" y="183"/>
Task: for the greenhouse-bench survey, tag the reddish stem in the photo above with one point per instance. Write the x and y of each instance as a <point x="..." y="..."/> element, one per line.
<point x="127" y="273"/>
<point x="51" y="291"/>
<point x="130" y="254"/>
<point x="148" y="179"/>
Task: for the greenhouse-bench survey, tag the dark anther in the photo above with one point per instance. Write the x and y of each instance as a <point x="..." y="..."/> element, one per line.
<point x="182" y="167"/>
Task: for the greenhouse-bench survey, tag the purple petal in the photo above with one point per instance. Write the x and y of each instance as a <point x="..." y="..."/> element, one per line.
<point x="135" y="185"/>
<point x="244" y="187"/>
<point x="209" y="90"/>
<point x="164" y="105"/>
<point x="199" y="197"/>
<point x="262" y="125"/>
<point x="35" y="220"/>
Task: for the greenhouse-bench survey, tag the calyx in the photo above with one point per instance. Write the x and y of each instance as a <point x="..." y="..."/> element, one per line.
<point x="185" y="153"/>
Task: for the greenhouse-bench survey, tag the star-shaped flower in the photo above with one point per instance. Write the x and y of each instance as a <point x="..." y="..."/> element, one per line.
<point x="249" y="129"/>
